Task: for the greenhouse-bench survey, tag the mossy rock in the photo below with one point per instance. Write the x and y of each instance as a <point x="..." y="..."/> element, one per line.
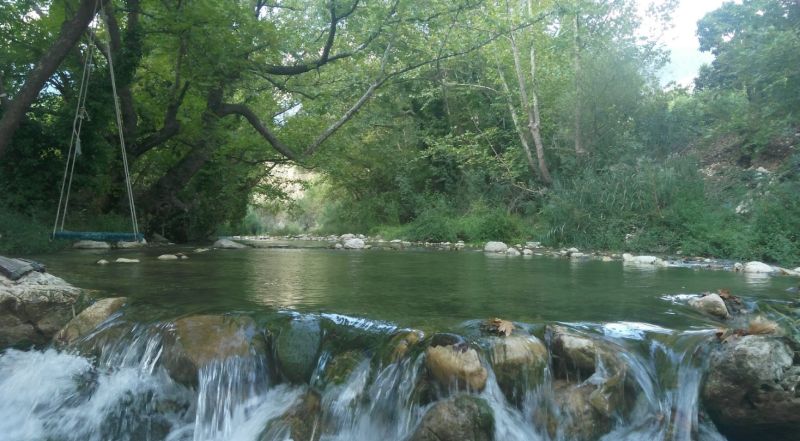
<point x="297" y="348"/>
<point x="461" y="418"/>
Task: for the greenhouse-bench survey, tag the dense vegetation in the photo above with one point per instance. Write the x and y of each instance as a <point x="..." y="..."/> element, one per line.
<point x="441" y="121"/>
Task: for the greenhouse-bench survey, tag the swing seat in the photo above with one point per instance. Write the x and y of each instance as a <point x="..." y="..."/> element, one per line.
<point x="99" y="236"/>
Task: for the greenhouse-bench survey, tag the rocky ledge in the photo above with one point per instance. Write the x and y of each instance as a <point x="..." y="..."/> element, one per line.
<point x="34" y="305"/>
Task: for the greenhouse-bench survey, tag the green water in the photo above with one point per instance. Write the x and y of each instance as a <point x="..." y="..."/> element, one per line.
<point x="425" y="289"/>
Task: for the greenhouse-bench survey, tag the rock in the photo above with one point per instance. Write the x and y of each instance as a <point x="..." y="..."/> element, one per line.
<point x="497" y="326"/>
<point x="757" y="267"/>
<point x="338" y="246"/>
<point x="711" y="304"/>
<point x="125" y="245"/>
<point x="572" y="251"/>
<point x="511" y="251"/>
<point x="339" y="368"/>
<point x="495" y="247"/>
<point x="227" y="244"/>
<point x="125" y="260"/>
<point x="738" y="267"/>
<point x="643" y="260"/>
<point x="573" y="351"/>
<point x="301" y="422"/>
<point x="346" y="237"/>
<point x="533" y="244"/>
<point x="576" y="419"/>
<point x="167" y="257"/>
<point x="354" y="244"/>
<point x="450" y="365"/>
<point x="607" y="259"/>
<point x="89" y="319"/>
<point x="200" y="339"/>
<point x="297" y="348"/>
<point x="91" y="245"/>
<point x="401" y="343"/>
<point x="461" y="418"/>
<point x="751" y="388"/>
<point x="102" y="262"/>
<point x="518" y="363"/>
<point x="200" y="250"/>
<point x="577" y="255"/>
<point x="34" y="308"/>
<point x="527" y="252"/>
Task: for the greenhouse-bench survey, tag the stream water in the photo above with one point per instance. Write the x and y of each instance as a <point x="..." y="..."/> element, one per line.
<point x="115" y="384"/>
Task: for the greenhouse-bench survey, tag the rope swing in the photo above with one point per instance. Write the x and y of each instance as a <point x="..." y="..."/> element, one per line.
<point x="75" y="150"/>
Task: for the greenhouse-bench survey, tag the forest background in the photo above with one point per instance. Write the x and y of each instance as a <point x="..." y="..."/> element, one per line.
<point x="438" y="121"/>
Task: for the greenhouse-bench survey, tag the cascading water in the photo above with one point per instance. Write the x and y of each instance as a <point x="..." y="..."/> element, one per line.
<point x="116" y="384"/>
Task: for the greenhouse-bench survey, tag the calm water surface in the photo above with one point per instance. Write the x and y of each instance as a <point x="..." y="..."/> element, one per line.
<point x="426" y="289"/>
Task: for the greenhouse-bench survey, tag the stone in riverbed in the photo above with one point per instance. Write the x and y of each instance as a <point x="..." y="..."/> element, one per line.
<point x="643" y="260"/>
<point x="34" y="307"/>
<point x="126" y="260"/>
<point x="297" y="348"/>
<point x="89" y="319"/>
<point x="167" y="257"/>
<point x="453" y="366"/>
<point x="751" y="389"/>
<point x="102" y="262"/>
<point x="711" y="304"/>
<point x="495" y="247"/>
<point x="200" y="339"/>
<point x="91" y="245"/>
<point x="577" y="418"/>
<point x="354" y="244"/>
<point x="511" y="251"/>
<point x="300" y="422"/>
<point x="125" y="245"/>
<point x="227" y="244"/>
<point x="518" y="363"/>
<point x="757" y="267"/>
<point x="461" y="418"/>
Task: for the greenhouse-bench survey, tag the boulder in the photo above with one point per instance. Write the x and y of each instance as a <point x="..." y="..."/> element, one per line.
<point x="518" y="363"/>
<point x="527" y="252"/>
<point x="751" y="389"/>
<point x="102" y="262"/>
<point x="125" y="245"/>
<point x="297" y="348"/>
<point x="89" y="319"/>
<point x="347" y="236"/>
<point x="200" y="339"/>
<point x="126" y="260"/>
<point x="34" y="308"/>
<point x="228" y="244"/>
<point x="401" y="343"/>
<point x="511" y="251"/>
<point x="576" y="419"/>
<point x="339" y="368"/>
<point x="711" y="304"/>
<point x="461" y="418"/>
<point x="757" y="267"/>
<point x="643" y="260"/>
<point x="454" y="366"/>
<point x="495" y="247"/>
<point x="354" y="244"/>
<point x="572" y="351"/>
<point x="167" y="257"/>
<point x="300" y="422"/>
<point x="338" y="246"/>
<point x="91" y="245"/>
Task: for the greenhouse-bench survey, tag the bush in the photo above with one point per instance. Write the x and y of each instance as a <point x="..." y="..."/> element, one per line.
<point x="23" y="235"/>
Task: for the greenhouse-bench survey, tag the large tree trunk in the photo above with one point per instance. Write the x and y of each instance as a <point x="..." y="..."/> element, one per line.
<point x="69" y="35"/>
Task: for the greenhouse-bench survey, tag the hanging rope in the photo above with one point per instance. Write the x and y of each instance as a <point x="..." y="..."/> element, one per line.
<point x="77" y="124"/>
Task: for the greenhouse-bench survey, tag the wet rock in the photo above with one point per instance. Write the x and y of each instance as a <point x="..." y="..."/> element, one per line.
<point x="167" y="257"/>
<point x="91" y="245"/>
<point x="102" y="262"/>
<point x="126" y="245"/>
<point x="401" y="343"/>
<point x="495" y="247"/>
<point x="228" y="244"/>
<point x="452" y="366"/>
<point x="643" y="260"/>
<point x="354" y="244"/>
<point x="511" y="251"/>
<point x="711" y="304"/>
<point x="346" y="237"/>
<point x="447" y="339"/>
<point x="338" y="246"/>
<point x="198" y="340"/>
<point x="577" y="418"/>
<point x="461" y="418"/>
<point x="300" y="422"/>
<point x="497" y="326"/>
<point x="527" y="252"/>
<point x="200" y="250"/>
<point x="757" y="267"/>
<point x="297" y="348"/>
<point x="341" y="366"/>
<point x="34" y="308"/>
<point x="518" y="363"/>
<point x="89" y="319"/>
<point x="751" y="389"/>
<point x="126" y="260"/>
<point x="572" y="352"/>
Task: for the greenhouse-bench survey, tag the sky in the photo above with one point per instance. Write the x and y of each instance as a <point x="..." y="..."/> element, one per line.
<point x="682" y="42"/>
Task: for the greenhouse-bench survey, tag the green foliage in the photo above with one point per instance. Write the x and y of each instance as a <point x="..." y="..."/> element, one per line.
<point x="22" y="234"/>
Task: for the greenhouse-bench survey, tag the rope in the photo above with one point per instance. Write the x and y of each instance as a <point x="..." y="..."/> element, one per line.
<point x="77" y="124"/>
<point x="75" y="140"/>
